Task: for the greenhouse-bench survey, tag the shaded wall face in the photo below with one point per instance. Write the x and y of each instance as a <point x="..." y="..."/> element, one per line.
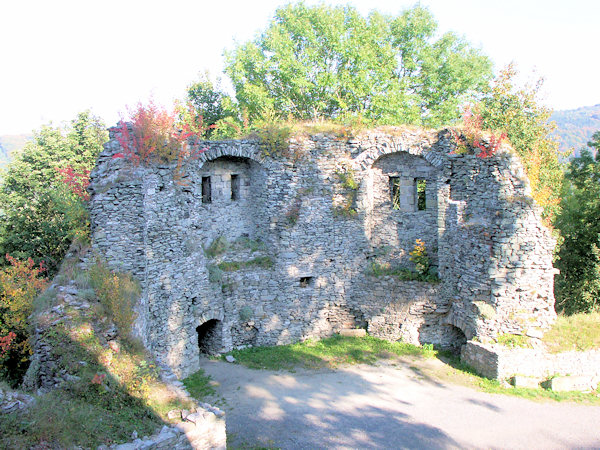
<point x="402" y="207"/>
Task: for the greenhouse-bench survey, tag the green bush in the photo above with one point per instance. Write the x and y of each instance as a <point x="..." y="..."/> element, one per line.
<point x="20" y="284"/>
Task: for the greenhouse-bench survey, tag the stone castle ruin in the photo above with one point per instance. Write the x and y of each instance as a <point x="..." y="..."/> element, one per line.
<point x="249" y="249"/>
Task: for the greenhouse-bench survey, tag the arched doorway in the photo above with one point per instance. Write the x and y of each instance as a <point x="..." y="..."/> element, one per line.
<point x="210" y="335"/>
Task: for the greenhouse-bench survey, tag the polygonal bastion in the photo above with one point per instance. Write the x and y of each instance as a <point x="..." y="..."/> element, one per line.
<point x="249" y="249"/>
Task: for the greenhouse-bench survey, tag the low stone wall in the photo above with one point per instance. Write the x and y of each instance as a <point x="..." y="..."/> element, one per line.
<point x="496" y="361"/>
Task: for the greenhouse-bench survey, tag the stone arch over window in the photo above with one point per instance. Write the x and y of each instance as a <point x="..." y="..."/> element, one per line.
<point x="228" y="197"/>
<point x="367" y="158"/>
<point x="236" y="151"/>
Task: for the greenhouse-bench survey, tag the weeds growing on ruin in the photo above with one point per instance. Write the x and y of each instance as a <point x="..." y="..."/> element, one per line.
<point x="264" y="262"/>
<point x="154" y="135"/>
<point x="514" y="340"/>
<point x="217" y="247"/>
<point x="105" y="395"/>
<point x="423" y="268"/>
<point x="347" y="178"/>
<point x="420" y="258"/>
<point x="118" y="293"/>
<point x="473" y="139"/>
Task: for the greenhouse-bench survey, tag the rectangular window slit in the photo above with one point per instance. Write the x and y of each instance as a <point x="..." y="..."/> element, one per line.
<point x="305" y="281"/>
<point x="206" y="190"/>
<point x="421" y="194"/>
<point x="235" y="187"/>
<point x="395" y="191"/>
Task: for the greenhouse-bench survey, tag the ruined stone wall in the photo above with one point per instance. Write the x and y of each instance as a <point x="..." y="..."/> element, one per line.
<point x="496" y="361"/>
<point x="283" y="249"/>
<point x="496" y="254"/>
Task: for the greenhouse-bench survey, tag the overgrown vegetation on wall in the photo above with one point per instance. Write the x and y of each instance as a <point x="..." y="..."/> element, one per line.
<point x="117" y="293"/>
<point x="106" y="385"/>
<point x="518" y="112"/>
<point x="422" y="271"/>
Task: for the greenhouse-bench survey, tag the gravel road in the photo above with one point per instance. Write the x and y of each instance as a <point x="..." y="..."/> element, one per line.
<point x="391" y="405"/>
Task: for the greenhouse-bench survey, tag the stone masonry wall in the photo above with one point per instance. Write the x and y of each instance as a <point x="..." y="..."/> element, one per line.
<point x="496" y="361"/>
<point x="283" y="249"/>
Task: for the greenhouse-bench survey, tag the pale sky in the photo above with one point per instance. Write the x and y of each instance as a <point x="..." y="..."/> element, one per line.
<point x="59" y="57"/>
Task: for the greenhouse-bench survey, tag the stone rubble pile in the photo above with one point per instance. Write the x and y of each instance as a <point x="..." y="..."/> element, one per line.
<point x="13" y="401"/>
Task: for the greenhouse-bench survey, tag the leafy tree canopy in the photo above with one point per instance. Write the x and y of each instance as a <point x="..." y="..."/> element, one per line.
<point x="518" y="111"/>
<point x="331" y="62"/>
<point x="210" y="103"/>
<point x="578" y="284"/>
<point x="37" y="210"/>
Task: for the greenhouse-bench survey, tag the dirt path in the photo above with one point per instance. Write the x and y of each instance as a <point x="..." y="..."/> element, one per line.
<point x="392" y="405"/>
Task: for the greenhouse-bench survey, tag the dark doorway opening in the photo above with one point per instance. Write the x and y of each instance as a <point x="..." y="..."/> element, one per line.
<point x="210" y="337"/>
<point x="454" y="338"/>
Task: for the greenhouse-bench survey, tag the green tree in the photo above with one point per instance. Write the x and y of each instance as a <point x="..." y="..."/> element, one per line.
<point x="36" y="207"/>
<point x="210" y="103"/>
<point x="331" y="62"/>
<point x="519" y="113"/>
<point x="578" y="285"/>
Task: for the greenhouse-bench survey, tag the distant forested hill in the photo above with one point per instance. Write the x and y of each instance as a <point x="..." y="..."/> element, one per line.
<point x="11" y="142"/>
<point x="576" y="126"/>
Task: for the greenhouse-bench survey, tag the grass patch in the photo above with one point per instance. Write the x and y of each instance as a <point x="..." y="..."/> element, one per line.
<point x="514" y="340"/>
<point x="198" y="385"/>
<point x="577" y="332"/>
<point x="106" y="393"/>
<point x="264" y="262"/>
<point x="109" y="395"/>
<point x="327" y="353"/>
<point x="459" y="373"/>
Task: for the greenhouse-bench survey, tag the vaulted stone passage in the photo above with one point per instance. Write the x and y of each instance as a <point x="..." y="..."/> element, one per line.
<point x="210" y="336"/>
<point x="454" y="336"/>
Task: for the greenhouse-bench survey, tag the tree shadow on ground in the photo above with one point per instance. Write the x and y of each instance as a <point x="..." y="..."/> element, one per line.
<point x="321" y="409"/>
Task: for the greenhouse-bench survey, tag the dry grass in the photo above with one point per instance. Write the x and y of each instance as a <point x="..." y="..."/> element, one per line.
<point x="577" y="332"/>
